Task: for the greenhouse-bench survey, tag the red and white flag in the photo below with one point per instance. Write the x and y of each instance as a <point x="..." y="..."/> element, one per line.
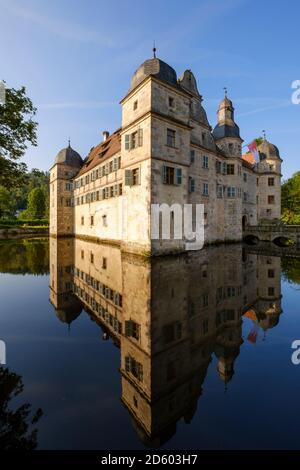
<point x="254" y="150"/>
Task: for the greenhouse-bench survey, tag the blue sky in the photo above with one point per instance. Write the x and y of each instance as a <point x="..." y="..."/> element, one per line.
<point x="76" y="59"/>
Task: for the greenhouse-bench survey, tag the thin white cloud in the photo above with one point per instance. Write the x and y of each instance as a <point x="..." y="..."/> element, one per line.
<point x="265" y="108"/>
<point x="78" y="105"/>
<point x="58" y="26"/>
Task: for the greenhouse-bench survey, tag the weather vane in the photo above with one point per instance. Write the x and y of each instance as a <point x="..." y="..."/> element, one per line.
<point x="264" y="134"/>
<point x="225" y="90"/>
<point x="154" y="50"/>
<point x="69" y="142"/>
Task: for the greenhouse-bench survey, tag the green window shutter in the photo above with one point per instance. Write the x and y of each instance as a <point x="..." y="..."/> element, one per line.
<point x="127" y="363"/>
<point x="140" y="372"/>
<point x="178" y="176"/>
<point x="140" y="137"/>
<point x="128" y="178"/>
<point x="127" y="142"/>
<point x="139" y="176"/>
<point x="164" y="174"/>
<point x="128" y="328"/>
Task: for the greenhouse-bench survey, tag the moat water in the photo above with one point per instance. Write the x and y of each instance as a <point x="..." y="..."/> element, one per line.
<point x="108" y="351"/>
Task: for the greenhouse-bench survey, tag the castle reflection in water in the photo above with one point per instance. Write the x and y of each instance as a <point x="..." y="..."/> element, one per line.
<point x="169" y="316"/>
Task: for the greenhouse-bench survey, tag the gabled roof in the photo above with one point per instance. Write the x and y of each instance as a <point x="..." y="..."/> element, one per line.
<point x="101" y="152"/>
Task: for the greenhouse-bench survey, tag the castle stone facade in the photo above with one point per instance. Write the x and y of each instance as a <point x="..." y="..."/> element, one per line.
<point x="165" y="152"/>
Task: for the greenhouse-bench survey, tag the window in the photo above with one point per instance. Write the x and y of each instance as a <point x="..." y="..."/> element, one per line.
<point x="69" y="186"/>
<point x="171" y="138"/>
<point x="171" y="102"/>
<point x="245" y="177"/>
<point x="92" y="220"/>
<point x="172" y="175"/>
<point x="135" y="176"/>
<point x="205" y="326"/>
<point x="192" y="156"/>
<point x="115" y="164"/>
<point x="218" y="166"/>
<point x="271" y="181"/>
<point x="82" y="254"/>
<point x="111" y="191"/>
<point x="92" y="258"/>
<point x="204" y="161"/>
<point x="132" y="177"/>
<point x="87" y="179"/>
<point x="205" y="189"/>
<point x="191" y="185"/>
<point x="134" y="140"/>
<point x="224" y="168"/>
<point x="231" y="191"/>
<point x="104" y="220"/>
<point x="135" y="105"/>
<point x="68" y="202"/>
<point x="230" y="169"/>
<point x="271" y="291"/>
<point x="230" y="146"/>
<point x="104" y="263"/>
<point x="271" y="167"/>
<point x="220" y="191"/>
<point x="203" y="138"/>
<point x="82" y="220"/>
<point x="132" y="329"/>
<point x="205" y="300"/>
<point x="245" y="196"/>
<point x="120" y="189"/>
<point x="271" y="199"/>
<point x="172" y="332"/>
<point x="133" y="367"/>
<point x="239" y="170"/>
<point x="271" y="273"/>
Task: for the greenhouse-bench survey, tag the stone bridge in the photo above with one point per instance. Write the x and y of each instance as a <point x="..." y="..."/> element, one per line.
<point x="281" y="235"/>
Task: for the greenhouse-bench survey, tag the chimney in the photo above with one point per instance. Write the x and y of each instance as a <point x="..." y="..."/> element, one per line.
<point x="105" y="135"/>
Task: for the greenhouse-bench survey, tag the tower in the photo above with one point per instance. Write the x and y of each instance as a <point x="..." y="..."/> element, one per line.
<point x="227" y="132"/>
<point x="269" y="183"/>
<point x="229" y="142"/>
<point x="67" y="164"/>
<point x="61" y="261"/>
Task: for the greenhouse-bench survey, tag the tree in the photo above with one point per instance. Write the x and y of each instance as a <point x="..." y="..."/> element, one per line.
<point x="6" y="202"/>
<point x="290" y="200"/>
<point x="36" y="204"/>
<point x="17" y="130"/>
<point x="16" y="425"/>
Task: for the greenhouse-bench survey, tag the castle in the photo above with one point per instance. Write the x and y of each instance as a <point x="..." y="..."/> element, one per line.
<point x="164" y="152"/>
<point x="173" y="318"/>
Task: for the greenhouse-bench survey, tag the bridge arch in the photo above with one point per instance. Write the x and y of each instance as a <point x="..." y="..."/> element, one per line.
<point x="282" y="240"/>
<point x="251" y="239"/>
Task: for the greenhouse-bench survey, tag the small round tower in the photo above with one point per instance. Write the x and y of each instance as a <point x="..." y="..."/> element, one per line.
<point x="66" y="165"/>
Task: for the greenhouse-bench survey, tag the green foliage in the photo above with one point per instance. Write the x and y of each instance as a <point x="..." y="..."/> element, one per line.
<point x="36" y="205"/>
<point x="290" y="200"/>
<point x="291" y="269"/>
<point x="17" y="130"/>
<point x="16" y="431"/>
<point x="24" y="256"/>
<point x="34" y="179"/>
<point x="27" y="222"/>
<point x="6" y="202"/>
